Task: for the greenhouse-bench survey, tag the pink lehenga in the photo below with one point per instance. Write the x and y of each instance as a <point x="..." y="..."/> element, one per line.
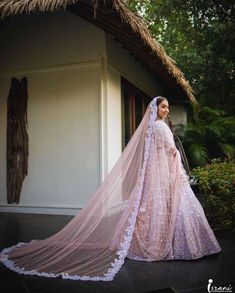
<point x="145" y="210"/>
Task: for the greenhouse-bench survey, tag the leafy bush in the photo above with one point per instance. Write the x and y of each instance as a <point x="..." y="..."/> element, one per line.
<point x="209" y="133"/>
<point x="216" y="187"/>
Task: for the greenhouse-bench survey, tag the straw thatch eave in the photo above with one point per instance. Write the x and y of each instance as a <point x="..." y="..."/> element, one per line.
<point x="125" y="26"/>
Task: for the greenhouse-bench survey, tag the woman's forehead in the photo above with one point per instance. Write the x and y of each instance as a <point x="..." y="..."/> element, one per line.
<point x="164" y="103"/>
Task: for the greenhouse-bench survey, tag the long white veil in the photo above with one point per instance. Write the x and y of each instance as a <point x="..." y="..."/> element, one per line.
<point x="94" y="244"/>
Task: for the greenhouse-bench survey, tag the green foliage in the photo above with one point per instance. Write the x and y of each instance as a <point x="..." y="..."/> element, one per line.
<point x="199" y="36"/>
<point x="216" y="184"/>
<point x="209" y="134"/>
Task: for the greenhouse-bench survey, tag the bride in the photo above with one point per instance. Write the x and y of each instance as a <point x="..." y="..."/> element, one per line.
<point x="144" y="210"/>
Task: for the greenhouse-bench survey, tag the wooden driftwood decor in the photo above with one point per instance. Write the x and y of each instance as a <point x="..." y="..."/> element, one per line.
<point x="17" y="139"/>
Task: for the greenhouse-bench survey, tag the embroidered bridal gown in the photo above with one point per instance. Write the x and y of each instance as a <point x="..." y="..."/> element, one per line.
<point x="170" y="224"/>
<point x="145" y="210"/>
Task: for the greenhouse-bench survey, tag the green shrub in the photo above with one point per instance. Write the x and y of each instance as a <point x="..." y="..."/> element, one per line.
<point x="216" y="188"/>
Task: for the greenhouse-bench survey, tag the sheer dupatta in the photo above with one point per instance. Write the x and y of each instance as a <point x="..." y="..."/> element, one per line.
<point x="94" y="244"/>
<point x="155" y="224"/>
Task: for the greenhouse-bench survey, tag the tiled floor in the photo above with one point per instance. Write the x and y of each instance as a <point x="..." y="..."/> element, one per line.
<point x="134" y="276"/>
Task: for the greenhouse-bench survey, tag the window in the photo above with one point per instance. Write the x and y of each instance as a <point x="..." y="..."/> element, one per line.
<point x="134" y="104"/>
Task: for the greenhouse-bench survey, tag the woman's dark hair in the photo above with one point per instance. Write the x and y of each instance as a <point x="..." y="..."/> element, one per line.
<point x="160" y="99"/>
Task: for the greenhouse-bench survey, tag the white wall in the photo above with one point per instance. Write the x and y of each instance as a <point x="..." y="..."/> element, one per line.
<point x="178" y="115"/>
<point x="63" y="119"/>
<point x="64" y="82"/>
<point x="114" y="120"/>
<point x="128" y="67"/>
<point x="119" y="63"/>
<point x="48" y="40"/>
<point x="74" y="109"/>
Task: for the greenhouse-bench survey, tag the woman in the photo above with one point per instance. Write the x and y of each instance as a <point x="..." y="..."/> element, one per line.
<point x="171" y="224"/>
<point x="144" y="210"/>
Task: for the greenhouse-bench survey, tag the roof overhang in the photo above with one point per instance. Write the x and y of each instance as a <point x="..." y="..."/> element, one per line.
<point x="125" y="27"/>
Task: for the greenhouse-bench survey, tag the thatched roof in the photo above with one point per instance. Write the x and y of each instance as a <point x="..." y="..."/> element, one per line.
<point x="126" y="27"/>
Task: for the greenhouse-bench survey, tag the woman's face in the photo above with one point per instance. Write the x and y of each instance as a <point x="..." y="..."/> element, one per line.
<point x="163" y="109"/>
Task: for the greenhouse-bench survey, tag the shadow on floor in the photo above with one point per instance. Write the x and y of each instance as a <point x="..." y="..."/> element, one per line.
<point x="134" y="277"/>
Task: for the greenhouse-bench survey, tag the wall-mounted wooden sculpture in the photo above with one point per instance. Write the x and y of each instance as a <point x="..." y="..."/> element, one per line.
<point x="17" y="139"/>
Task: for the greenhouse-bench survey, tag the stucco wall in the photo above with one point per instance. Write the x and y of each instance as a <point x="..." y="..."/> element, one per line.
<point x="121" y="64"/>
<point x="124" y="63"/>
<point x="63" y="69"/>
<point x="64" y="145"/>
<point x="121" y="61"/>
<point x="48" y="40"/>
<point x="74" y="75"/>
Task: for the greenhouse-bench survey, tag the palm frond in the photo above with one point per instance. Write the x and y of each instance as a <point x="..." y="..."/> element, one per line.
<point x="198" y="154"/>
<point x="212" y="132"/>
<point x="192" y="134"/>
<point x="228" y="150"/>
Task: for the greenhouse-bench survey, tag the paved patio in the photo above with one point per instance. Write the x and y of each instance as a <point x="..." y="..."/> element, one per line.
<point x="134" y="276"/>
